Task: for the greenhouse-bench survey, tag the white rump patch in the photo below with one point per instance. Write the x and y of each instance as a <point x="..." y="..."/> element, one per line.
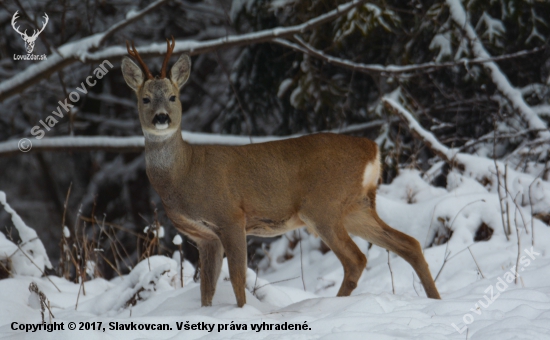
<point x="372" y="171"/>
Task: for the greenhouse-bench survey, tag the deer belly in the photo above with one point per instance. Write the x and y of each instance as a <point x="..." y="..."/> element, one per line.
<point x="267" y="227"/>
<point x="196" y="229"/>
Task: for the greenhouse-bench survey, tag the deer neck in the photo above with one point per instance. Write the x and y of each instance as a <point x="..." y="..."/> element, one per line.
<point x="167" y="159"/>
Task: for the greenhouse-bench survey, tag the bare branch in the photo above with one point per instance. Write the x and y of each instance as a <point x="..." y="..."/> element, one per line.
<point x="129" y="20"/>
<point x="493" y="136"/>
<point x="81" y="50"/>
<point x="304" y="47"/>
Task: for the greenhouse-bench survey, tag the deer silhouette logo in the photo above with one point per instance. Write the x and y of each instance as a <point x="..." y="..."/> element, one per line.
<point x="29" y="40"/>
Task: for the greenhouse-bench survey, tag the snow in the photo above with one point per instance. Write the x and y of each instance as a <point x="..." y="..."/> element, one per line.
<point x="34" y="300"/>
<point x="237" y="7"/>
<point x="494" y="28"/>
<point x="278" y="4"/>
<point x="526" y="188"/>
<point x="149" y="278"/>
<point x="177" y="240"/>
<point x="476" y="282"/>
<point x="294" y="96"/>
<point x="66" y="232"/>
<point x="499" y="78"/>
<point x="441" y="42"/>
<point x="415" y="127"/>
<point x="285" y="85"/>
<point x="138" y="142"/>
<point x="29" y="257"/>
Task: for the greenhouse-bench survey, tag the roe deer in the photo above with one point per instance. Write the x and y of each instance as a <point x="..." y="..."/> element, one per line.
<point x="216" y="195"/>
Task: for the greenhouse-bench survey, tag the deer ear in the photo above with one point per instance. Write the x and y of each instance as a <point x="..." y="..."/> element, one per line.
<point x="132" y="73"/>
<point x="179" y="74"/>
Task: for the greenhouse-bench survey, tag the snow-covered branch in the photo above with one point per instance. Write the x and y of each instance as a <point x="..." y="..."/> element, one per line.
<point x="448" y="155"/>
<point x="458" y="15"/>
<point x="482" y="169"/>
<point x="198" y="47"/>
<point x="84" y="50"/>
<point x="130" y="18"/>
<point x="29" y="257"/>
<point x="136" y="143"/>
<point x="66" y="55"/>
<point x="304" y="47"/>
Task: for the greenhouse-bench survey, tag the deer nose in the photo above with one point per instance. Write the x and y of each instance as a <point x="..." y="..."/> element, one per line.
<point x="161" y="118"/>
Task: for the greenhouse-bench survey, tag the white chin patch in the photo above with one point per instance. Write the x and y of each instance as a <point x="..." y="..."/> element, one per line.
<point x="159" y="133"/>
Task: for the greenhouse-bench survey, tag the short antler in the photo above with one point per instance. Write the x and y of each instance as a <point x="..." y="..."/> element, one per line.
<point x="134" y="53"/>
<point x="169" y="50"/>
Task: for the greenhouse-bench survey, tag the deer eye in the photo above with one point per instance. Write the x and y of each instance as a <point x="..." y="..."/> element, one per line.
<point x="146" y="100"/>
<point x="173" y="98"/>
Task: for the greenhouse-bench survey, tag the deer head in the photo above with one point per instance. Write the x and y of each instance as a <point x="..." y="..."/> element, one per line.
<point x="29" y="41"/>
<point x="159" y="106"/>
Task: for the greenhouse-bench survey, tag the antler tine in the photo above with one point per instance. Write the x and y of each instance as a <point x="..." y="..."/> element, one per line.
<point x="134" y="53"/>
<point x="44" y="23"/>
<point x="169" y="50"/>
<point x="14" y="22"/>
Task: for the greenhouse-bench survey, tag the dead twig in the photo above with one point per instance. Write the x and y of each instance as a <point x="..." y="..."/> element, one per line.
<point x="391" y="273"/>
<point x="40" y="269"/>
<point x="274" y="282"/>
<point x="447" y="254"/>
<point x="500" y="198"/>
<point x="301" y="260"/>
<point x="477" y="265"/>
<point x="43" y="300"/>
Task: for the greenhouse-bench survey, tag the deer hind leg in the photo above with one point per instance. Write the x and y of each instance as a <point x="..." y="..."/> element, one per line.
<point x="211" y="257"/>
<point x="333" y="233"/>
<point x="369" y="226"/>
<point x="409" y="249"/>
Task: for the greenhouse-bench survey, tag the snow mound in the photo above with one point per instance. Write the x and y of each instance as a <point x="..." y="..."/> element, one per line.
<point x="493" y="281"/>
<point x="30" y="258"/>
<point x="150" y="277"/>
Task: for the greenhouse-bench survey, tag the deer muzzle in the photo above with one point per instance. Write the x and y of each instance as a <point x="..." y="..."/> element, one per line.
<point x="161" y="121"/>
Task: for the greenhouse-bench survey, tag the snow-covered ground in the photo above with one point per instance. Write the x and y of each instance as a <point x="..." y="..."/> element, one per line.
<point x="298" y="286"/>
